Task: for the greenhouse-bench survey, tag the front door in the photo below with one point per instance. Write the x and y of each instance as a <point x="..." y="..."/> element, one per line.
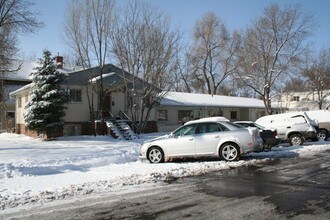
<point x="183" y="141"/>
<point x="106" y="105"/>
<point x="207" y="138"/>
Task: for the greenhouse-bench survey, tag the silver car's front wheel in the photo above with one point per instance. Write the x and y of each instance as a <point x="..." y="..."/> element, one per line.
<point x="229" y="152"/>
<point x="155" y="155"/>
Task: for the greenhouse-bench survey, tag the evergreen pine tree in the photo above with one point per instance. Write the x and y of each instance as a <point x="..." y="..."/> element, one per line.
<point x="45" y="111"/>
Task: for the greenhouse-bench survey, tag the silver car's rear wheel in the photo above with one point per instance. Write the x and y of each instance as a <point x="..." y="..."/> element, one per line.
<point x="229" y="152"/>
<point x="155" y="155"/>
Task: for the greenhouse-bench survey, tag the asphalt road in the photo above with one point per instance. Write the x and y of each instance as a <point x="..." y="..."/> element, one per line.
<point x="288" y="188"/>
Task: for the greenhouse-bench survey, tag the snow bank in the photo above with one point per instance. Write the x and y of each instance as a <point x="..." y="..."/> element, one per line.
<point x="33" y="171"/>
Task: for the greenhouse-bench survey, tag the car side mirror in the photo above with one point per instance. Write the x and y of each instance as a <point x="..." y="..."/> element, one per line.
<point x="171" y="135"/>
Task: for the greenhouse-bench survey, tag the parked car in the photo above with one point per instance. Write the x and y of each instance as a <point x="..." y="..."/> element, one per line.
<point x="212" y="137"/>
<point x="295" y="128"/>
<point x="269" y="136"/>
<point x="323" y="118"/>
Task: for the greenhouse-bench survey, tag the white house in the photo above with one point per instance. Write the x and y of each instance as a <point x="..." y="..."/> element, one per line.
<point x="83" y="96"/>
<point x="174" y="108"/>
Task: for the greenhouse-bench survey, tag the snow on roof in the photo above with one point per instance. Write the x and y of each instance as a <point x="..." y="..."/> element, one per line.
<point x="103" y="76"/>
<point x="26" y="87"/>
<point x="24" y="72"/>
<point x="206" y="100"/>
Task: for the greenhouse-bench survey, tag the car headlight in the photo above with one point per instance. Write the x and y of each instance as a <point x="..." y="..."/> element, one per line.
<point x="143" y="148"/>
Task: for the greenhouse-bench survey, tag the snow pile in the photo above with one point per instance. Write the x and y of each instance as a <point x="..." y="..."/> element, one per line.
<point x="33" y="171"/>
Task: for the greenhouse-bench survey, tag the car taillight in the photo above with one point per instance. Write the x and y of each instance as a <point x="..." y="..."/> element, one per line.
<point x="274" y="133"/>
<point x="254" y="132"/>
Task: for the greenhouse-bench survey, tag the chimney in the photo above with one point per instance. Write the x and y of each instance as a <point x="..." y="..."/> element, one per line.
<point x="59" y="61"/>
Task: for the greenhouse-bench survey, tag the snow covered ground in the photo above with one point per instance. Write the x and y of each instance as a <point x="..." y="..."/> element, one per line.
<point x="36" y="172"/>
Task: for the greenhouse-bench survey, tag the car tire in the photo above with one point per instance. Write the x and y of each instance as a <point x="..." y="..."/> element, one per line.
<point x="322" y="135"/>
<point x="296" y="139"/>
<point x="155" y="155"/>
<point x="229" y="152"/>
<point x="268" y="147"/>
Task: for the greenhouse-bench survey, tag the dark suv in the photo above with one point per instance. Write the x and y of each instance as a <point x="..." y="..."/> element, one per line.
<point x="268" y="136"/>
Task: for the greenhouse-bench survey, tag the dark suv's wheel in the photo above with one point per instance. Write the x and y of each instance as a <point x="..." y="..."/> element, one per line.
<point x="296" y="139"/>
<point x="155" y="155"/>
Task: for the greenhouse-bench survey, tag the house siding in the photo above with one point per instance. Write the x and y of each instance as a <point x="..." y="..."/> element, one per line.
<point x="79" y="111"/>
<point x="172" y="122"/>
<point x="20" y="108"/>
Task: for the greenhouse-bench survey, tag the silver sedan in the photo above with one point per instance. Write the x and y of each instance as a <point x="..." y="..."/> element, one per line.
<point x="207" y="137"/>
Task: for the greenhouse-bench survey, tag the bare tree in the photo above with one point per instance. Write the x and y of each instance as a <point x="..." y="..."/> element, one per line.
<point x="144" y="46"/>
<point x="87" y="29"/>
<point x="318" y="76"/>
<point x="214" y="54"/>
<point x="294" y="85"/>
<point x="15" y="17"/>
<point x="182" y="74"/>
<point x="273" y="46"/>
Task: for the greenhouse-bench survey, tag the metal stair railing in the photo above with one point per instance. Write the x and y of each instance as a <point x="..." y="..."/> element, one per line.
<point x="122" y="113"/>
<point x="120" y="128"/>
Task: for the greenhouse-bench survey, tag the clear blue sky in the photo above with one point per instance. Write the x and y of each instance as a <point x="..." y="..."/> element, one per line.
<point x="183" y="13"/>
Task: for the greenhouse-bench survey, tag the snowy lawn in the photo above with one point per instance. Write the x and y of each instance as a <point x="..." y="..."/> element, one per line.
<point x="33" y="171"/>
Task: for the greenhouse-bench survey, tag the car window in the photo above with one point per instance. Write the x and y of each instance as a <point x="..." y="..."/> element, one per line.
<point x="223" y="128"/>
<point x="298" y="119"/>
<point x="229" y="126"/>
<point x="235" y="125"/>
<point x="208" y="128"/>
<point x="243" y="124"/>
<point x="186" y="130"/>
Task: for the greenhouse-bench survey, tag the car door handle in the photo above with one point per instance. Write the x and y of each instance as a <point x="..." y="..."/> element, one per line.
<point x="288" y="127"/>
<point x="191" y="139"/>
<point x="217" y="136"/>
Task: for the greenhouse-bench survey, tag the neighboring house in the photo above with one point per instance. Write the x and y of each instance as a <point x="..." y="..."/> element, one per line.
<point x="176" y="108"/>
<point x="10" y="82"/>
<point x="293" y="101"/>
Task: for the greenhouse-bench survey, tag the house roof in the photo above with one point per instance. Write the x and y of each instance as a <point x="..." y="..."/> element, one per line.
<point x="23" y="74"/>
<point x="113" y="76"/>
<point x="83" y="76"/>
<point x="206" y="100"/>
<point x="23" y="88"/>
<point x="25" y="68"/>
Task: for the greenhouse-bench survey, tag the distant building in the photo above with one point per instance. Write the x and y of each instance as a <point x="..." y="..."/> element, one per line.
<point x="177" y="108"/>
<point x="9" y="82"/>
<point x="304" y="101"/>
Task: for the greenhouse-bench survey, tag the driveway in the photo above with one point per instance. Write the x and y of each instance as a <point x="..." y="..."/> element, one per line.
<point x="295" y="188"/>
